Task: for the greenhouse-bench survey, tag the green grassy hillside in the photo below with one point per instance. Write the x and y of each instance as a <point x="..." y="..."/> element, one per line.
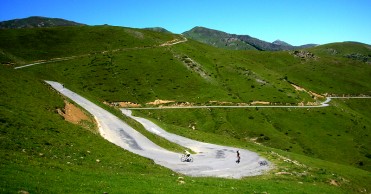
<point x="323" y="74"/>
<point x="26" y="45"/>
<point x="144" y="75"/>
<point x="351" y="50"/>
<point x="42" y="153"/>
<point x="319" y="133"/>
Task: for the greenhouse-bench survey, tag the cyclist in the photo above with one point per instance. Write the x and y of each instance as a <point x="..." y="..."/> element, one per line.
<point x="186" y="152"/>
<point x="238" y="157"/>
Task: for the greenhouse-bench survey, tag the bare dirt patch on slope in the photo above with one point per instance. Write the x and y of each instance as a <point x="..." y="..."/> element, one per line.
<point x="160" y="102"/>
<point x="123" y="104"/>
<point x="75" y="115"/>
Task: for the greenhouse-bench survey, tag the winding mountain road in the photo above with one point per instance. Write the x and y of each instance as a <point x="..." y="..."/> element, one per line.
<point x="210" y="160"/>
<point x="323" y="104"/>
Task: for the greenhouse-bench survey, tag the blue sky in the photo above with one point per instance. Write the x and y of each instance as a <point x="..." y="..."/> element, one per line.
<point x="294" y="21"/>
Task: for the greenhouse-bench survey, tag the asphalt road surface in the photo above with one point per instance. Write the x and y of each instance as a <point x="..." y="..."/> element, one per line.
<point x="210" y="160"/>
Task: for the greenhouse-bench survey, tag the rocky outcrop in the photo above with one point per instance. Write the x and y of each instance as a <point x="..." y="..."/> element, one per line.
<point x="306" y="55"/>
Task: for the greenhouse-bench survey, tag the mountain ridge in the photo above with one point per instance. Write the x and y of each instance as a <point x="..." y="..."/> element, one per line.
<point x="37" y="22"/>
<point x="280" y="42"/>
<point x="218" y="38"/>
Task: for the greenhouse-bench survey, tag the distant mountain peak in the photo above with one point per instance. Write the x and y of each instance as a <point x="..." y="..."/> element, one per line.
<point x="280" y="42"/>
<point x="200" y="29"/>
<point x="236" y="42"/>
<point x="37" y="22"/>
<point x="158" y="29"/>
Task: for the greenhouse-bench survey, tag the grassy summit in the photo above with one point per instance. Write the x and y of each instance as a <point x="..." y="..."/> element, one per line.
<point x="40" y="152"/>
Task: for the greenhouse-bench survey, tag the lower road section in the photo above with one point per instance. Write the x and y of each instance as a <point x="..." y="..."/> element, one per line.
<point x="210" y="159"/>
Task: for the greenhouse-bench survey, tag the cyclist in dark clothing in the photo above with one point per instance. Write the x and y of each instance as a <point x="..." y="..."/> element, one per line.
<point x="238" y="157"/>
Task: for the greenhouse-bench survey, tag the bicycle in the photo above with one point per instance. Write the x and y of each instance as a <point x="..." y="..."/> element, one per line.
<point x="185" y="158"/>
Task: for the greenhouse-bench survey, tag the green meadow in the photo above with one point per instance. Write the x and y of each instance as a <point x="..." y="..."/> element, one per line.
<point x="313" y="150"/>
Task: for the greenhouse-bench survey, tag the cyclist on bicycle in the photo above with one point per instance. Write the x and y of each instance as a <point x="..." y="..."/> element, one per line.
<point x="186" y="152"/>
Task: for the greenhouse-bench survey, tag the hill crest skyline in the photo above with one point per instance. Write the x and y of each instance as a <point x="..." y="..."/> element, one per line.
<point x="51" y="22"/>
